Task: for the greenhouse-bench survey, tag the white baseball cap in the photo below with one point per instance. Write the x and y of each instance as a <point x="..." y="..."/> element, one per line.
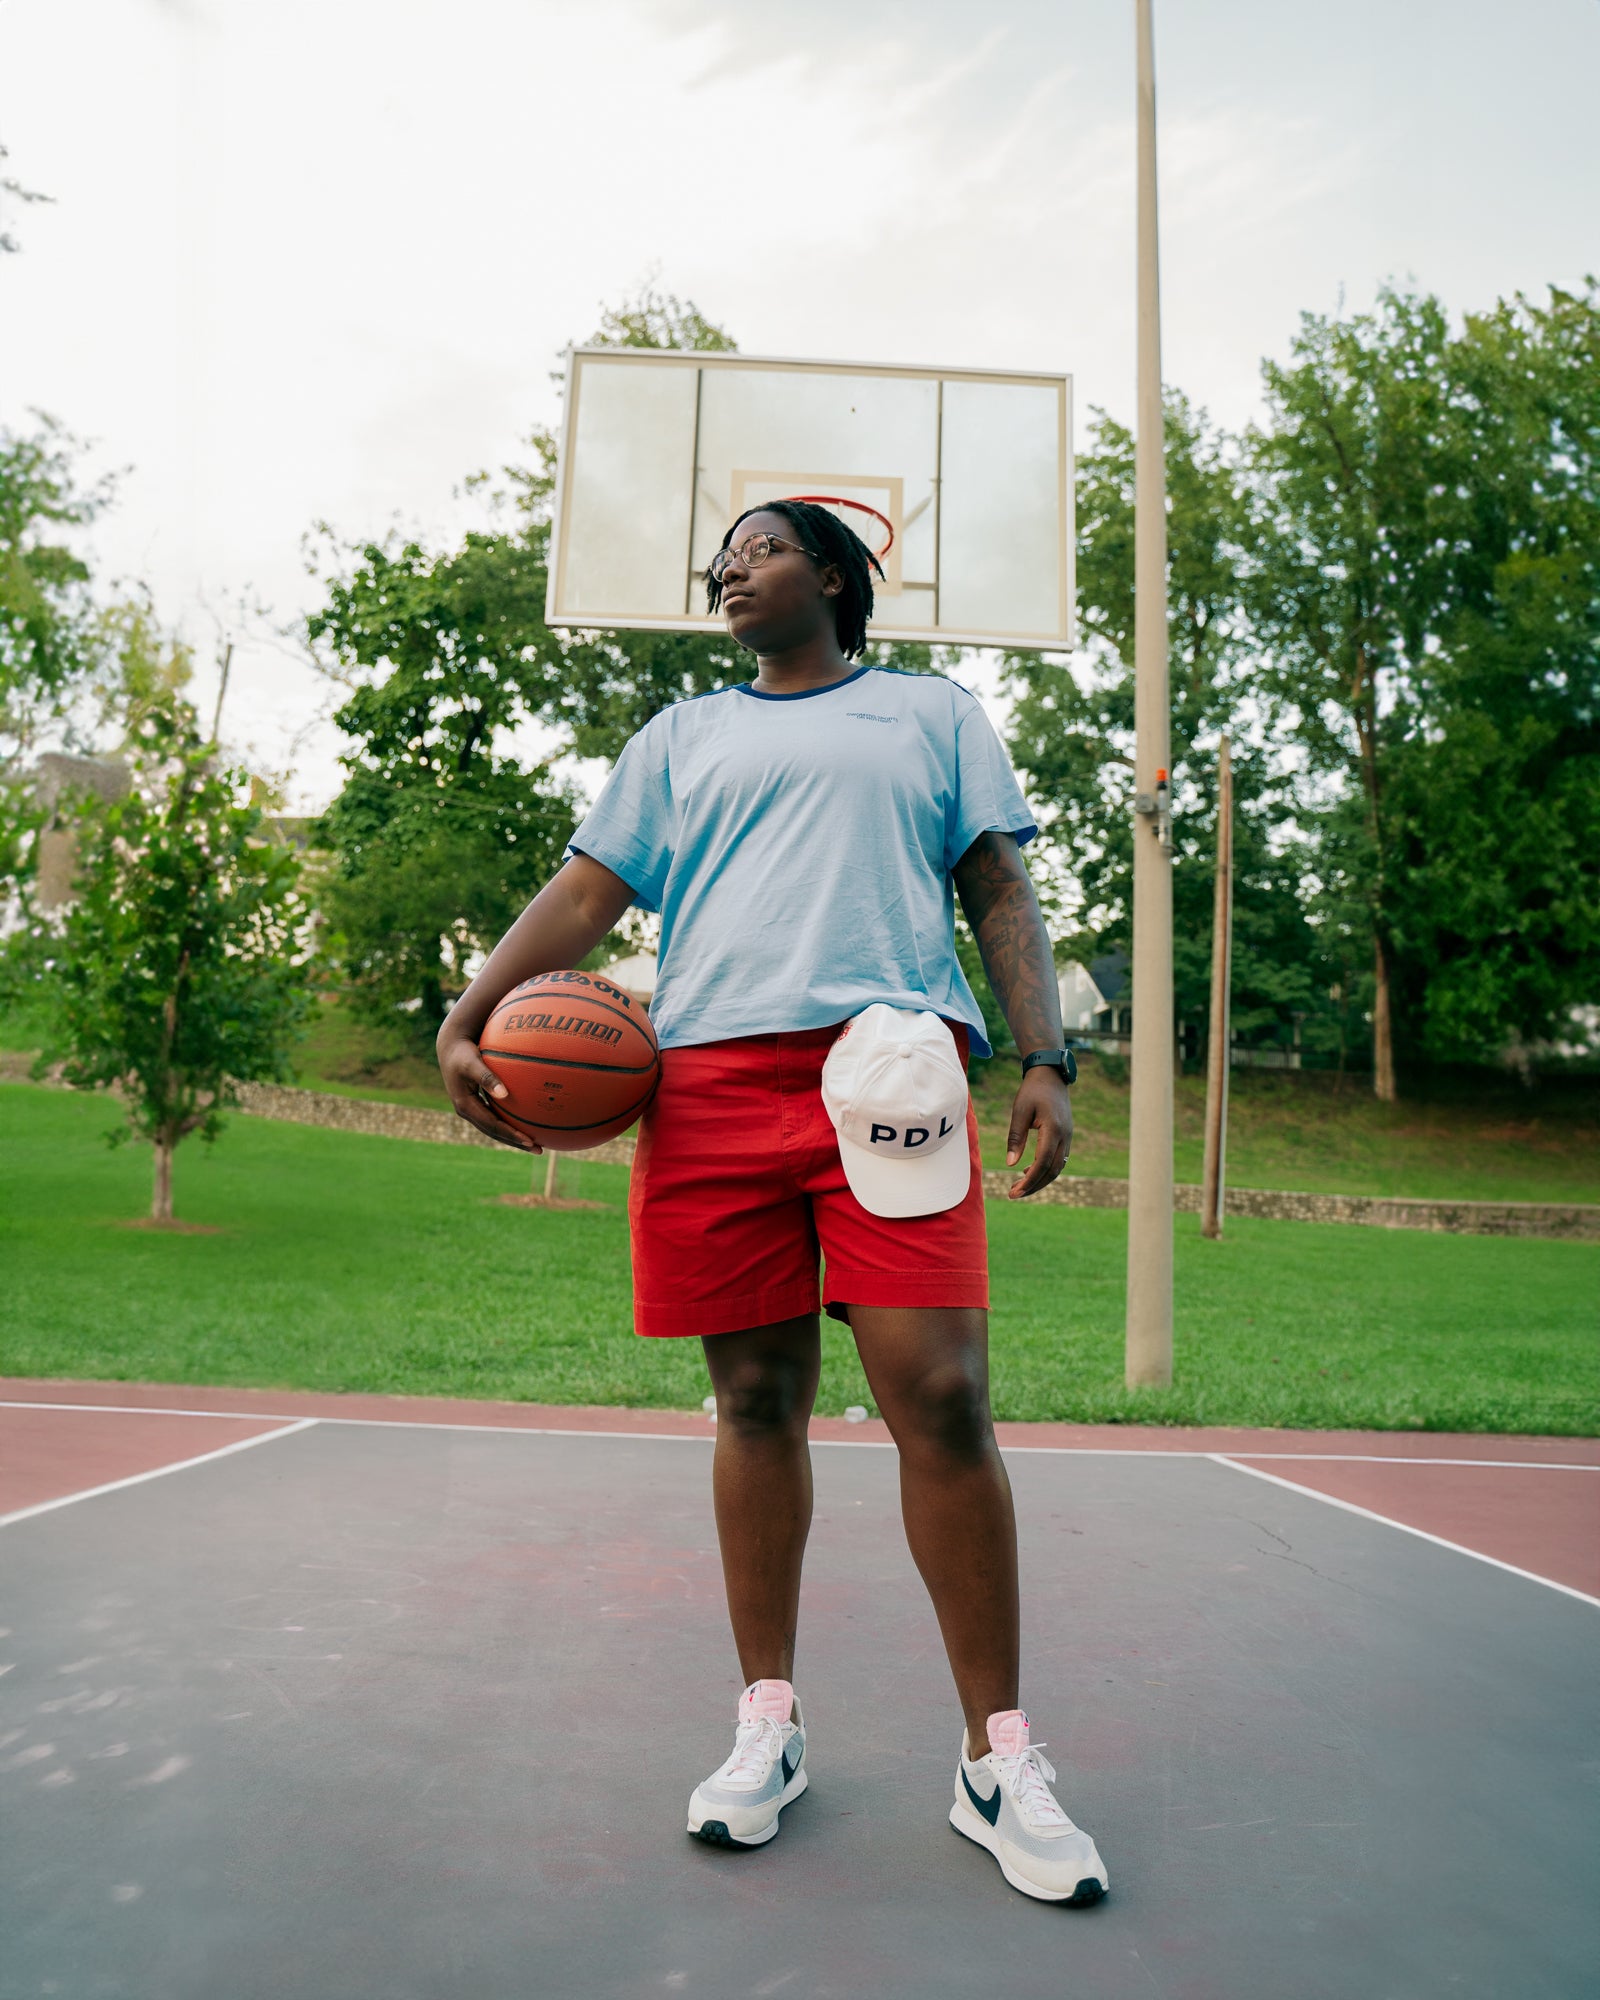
<point x="897" y="1094"/>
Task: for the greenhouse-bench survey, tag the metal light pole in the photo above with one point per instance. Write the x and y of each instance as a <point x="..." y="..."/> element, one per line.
<point x="1149" y="1331"/>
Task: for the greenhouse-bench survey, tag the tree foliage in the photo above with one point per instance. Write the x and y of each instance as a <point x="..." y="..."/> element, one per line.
<point x="1350" y="563"/>
<point x="440" y="834"/>
<point x="49" y="632"/>
<point x="1072" y="734"/>
<point x="442" y="831"/>
<point x="1387" y="593"/>
<point x="1422" y="576"/>
<point x="1496" y="790"/>
<point x="653" y="318"/>
<point x="13" y="190"/>
<point x="178" y="971"/>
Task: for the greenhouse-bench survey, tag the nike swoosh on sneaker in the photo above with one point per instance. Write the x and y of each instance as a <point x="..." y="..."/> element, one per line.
<point x="788" y="1768"/>
<point x="989" y="1807"/>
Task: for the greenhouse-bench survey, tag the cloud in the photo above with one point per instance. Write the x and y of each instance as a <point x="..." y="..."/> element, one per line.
<point x="315" y="261"/>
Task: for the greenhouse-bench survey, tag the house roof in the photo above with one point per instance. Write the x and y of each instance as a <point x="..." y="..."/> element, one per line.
<point x="1110" y="974"/>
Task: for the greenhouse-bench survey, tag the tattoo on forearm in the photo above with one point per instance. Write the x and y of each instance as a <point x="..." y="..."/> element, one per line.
<point x="1003" y="911"/>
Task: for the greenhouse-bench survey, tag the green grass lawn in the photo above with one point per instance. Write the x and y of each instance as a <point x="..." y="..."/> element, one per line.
<point x="1480" y="1139"/>
<point x="351" y="1263"/>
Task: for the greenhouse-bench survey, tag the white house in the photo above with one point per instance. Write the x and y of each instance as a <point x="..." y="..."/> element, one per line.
<point x="636" y="975"/>
<point x="1095" y="1002"/>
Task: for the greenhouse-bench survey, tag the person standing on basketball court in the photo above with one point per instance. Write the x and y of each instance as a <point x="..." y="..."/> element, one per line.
<point x="804" y="837"/>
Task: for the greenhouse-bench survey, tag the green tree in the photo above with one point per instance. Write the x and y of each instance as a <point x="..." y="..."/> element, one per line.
<point x="1354" y="496"/>
<point x="653" y="318"/>
<point x="1422" y="579"/>
<point x="1072" y="733"/>
<point x="178" y="970"/>
<point x="13" y="190"/>
<point x="602" y="687"/>
<point x="439" y="836"/>
<point x="1495" y="792"/>
<point x="50" y="641"/>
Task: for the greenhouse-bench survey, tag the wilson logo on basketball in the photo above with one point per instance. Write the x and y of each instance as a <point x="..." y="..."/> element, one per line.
<point x="581" y="979"/>
<point x="564" y="1024"/>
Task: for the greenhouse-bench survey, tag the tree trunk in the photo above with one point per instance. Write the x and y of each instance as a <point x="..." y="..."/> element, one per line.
<point x="1382" y="1028"/>
<point x="161" y="1195"/>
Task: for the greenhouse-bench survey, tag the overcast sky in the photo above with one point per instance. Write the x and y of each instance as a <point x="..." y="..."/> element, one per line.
<point x="315" y="260"/>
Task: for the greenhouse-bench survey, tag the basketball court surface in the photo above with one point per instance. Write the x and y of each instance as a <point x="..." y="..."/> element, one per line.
<point x="376" y="1699"/>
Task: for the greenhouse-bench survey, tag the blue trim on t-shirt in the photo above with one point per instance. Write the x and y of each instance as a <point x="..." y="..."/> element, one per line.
<point x="802" y="694"/>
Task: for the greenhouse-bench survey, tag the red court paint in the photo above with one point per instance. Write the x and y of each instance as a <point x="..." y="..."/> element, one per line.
<point x="1543" y="1520"/>
<point x="1514" y="1501"/>
<point x="268" y="1403"/>
<point x="50" y="1453"/>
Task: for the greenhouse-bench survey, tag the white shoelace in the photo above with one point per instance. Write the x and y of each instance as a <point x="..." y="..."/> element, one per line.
<point x="756" y="1744"/>
<point x="1028" y="1778"/>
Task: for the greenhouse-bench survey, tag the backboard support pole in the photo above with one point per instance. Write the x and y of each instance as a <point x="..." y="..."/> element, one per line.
<point x="938" y="498"/>
<point x="694" y="493"/>
<point x="1148" y="1342"/>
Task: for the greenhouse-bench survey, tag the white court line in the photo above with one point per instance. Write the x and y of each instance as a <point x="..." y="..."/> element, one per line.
<point x="158" y="1472"/>
<point x="292" y="1424"/>
<point x="1388" y="1521"/>
<point x="708" y="1436"/>
<point x="1302" y="1457"/>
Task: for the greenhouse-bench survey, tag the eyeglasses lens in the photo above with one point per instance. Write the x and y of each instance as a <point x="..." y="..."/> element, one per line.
<point x="752" y="553"/>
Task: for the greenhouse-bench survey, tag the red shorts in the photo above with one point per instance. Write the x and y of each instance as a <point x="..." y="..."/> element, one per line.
<point x="738" y="1190"/>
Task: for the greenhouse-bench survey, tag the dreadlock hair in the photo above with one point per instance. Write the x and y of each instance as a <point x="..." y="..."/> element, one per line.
<point x="825" y="539"/>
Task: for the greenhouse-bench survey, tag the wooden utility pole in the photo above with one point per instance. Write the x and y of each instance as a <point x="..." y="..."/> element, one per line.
<point x="1148" y="1347"/>
<point x="1219" y="1055"/>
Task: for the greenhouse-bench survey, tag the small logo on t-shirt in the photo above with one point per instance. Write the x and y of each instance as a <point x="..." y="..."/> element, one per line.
<point x="866" y="715"/>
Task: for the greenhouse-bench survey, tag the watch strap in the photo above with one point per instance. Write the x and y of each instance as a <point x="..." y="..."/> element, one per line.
<point x="1061" y="1059"/>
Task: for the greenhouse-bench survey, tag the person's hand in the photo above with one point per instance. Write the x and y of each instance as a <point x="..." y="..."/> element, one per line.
<point x="474" y="1089"/>
<point x="1043" y="1104"/>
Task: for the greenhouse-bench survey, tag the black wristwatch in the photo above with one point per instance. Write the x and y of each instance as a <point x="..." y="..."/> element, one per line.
<point x="1060" y="1059"/>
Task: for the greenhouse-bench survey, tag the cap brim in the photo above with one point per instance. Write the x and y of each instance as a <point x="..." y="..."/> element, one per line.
<point x="923" y="1185"/>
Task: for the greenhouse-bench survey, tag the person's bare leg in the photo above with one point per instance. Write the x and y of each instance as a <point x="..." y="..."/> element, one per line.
<point x="766" y="1383"/>
<point x="929" y="1371"/>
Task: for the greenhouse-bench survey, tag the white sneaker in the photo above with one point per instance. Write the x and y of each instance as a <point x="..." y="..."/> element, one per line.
<point x="739" y="1805"/>
<point x="1004" y="1803"/>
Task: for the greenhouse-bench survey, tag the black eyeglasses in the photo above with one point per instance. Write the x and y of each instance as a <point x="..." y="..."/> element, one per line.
<point x="753" y="553"/>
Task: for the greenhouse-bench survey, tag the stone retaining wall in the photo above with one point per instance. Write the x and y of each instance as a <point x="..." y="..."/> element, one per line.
<point x="1460" y="1218"/>
<point x="1574" y="1221"/>
<point x="387" y="1121"/>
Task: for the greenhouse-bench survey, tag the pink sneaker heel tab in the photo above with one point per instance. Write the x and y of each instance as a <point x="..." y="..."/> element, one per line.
<point x="773" y="1699"/>
<point x="1008" y="1732"/>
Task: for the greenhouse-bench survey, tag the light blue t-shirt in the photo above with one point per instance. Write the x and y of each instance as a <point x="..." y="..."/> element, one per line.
<point x="799" y="848"/>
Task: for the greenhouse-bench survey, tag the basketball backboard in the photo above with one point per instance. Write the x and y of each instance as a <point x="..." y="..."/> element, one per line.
<point x="961" y="480"/>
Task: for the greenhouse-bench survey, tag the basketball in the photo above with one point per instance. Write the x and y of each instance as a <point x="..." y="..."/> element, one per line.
<point x="577" y="1056"/>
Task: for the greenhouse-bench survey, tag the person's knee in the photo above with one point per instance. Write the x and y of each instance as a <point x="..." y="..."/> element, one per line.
<point x="946" y="1411"/>
<point x="761" y="1395"/>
